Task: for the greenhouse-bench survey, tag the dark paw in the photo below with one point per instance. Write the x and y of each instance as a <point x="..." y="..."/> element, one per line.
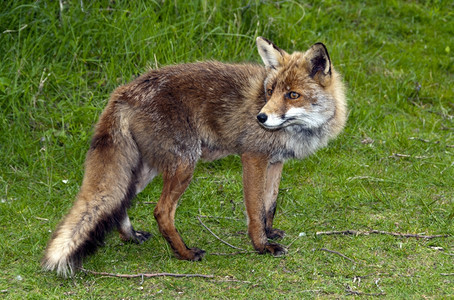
<point x="192" y="254"/>
<point x="137" y="237"/>
<point x="141" y="236"/>
<point x="196" y="254"/>
<point x="276" y="249"/>
<point x="275" y="234"/>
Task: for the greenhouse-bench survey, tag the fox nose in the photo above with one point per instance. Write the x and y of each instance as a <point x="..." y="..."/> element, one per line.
<point x="262" y="117"/>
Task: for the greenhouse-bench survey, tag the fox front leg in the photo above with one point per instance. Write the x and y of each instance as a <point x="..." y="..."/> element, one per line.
<point x="254" y="182"/>
<point x="273" y="178"/>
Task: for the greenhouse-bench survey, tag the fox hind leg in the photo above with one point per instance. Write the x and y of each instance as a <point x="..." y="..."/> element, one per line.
<point x="127" y="233"/>
<point x="174" y="185"/>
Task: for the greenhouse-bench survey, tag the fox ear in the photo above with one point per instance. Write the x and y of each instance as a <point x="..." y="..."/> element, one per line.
<point x="319" y="63"/>
<point x="272" y="56"/>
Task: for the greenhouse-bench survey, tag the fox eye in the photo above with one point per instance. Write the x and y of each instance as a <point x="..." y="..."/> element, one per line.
<point x="293" y="95"/>
<point x="269" y="92"/>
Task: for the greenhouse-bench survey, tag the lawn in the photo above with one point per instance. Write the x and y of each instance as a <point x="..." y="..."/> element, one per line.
<point x="351" y="211"/>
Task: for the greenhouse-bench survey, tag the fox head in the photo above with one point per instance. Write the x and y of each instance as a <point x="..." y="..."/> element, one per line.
<point x="301" y="89"/>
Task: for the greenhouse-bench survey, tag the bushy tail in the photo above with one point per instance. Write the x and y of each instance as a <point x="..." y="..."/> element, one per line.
<point x="101" y="204"/>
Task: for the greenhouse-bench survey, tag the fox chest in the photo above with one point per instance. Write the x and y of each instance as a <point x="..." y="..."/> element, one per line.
<point x="293" y="142"/>
<point x="298" y="143"/>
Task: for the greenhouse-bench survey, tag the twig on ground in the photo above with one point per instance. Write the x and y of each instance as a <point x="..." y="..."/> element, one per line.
<point x="423" y="140"/>
<point x="392" y="274"/>
<point x="447" y="274"/>
<point x="335" y="252"/>
<point x="376" y="283"/>
<point x="234" y="247"/>
<point x="396" y="234"/>
<point x="233" y="253"/>
<point x="399" y="155"/>
<point x="419" y="139"/>
<point x="19" y="30"/>
<point x="365" y="177"/>
<point x="313" y="291"/>
<point x="145" y="275"/>
<point x="231" y="279"/>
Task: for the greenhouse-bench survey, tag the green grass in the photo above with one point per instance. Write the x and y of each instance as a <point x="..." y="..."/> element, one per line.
<point x="58" y="67"/>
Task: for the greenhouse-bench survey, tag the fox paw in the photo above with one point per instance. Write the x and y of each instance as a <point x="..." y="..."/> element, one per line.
<point x="276" y="249"/>
<point x="275" y="234"/>
<point x="197" y="254"/>
<point x="135" y="236"/>
<point x="192" y="254"/>
<point x="141" y="236"/>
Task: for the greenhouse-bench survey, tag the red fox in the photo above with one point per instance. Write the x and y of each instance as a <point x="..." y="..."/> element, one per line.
<point x="164" y="121"/>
